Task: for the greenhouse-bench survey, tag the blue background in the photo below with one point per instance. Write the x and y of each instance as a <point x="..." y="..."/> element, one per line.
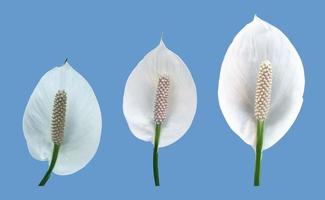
<point x="104" y="40"/>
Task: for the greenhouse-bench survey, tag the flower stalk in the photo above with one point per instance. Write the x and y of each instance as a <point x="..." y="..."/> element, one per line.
<point x="55" y="154"/>
<point x="258" y="158"/>
<point x="155" y="155"/>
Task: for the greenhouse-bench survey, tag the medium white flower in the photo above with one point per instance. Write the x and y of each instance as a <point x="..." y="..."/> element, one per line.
<point x="159" y="101"/>
<point x="62" y="121"/>
<point x="261" y="82"/>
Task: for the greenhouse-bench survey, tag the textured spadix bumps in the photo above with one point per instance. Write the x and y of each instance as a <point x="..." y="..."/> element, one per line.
<point x="58" y="117"/>
<point x="63" y="109"/>
<point x="257" y="42"/>
<point x="263" y="91"/>
<point x="161" y="102"/>
<point x="160" y="90"/>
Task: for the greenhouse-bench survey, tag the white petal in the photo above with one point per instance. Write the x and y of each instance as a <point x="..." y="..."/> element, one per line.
<point x="140" y="91"/>
<point x="83" y="120"/>
<point x="256" y="42"/>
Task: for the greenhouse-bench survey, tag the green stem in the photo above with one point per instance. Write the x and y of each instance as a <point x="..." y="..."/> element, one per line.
<point x="155" y="155"/>
<point x="53" y="161"/>
<point x="259" y="146"/>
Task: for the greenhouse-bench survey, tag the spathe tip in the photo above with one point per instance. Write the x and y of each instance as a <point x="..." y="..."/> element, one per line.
<point x="66" y="63"/>
<point x="256" y="18"/>
<point x="257" y="21"/>
<point x="161" y="43"/>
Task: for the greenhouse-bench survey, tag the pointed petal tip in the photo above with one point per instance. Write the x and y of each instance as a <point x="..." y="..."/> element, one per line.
<point x="161" y="43"/>
<point x="66" y="64"/>
<point x="256" y="19"/>
<point x="260" y="23"/>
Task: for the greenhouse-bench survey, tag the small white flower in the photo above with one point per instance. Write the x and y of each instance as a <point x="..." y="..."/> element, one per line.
<point x="160" y="100"/>
<point x="62" y="121"/>
<point x="261" y="81"/>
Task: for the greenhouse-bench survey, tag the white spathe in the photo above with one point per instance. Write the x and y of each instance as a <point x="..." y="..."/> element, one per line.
<point x="256" y="42"/>
<point x="140" y="92"/>
<point x="82" y="126"/>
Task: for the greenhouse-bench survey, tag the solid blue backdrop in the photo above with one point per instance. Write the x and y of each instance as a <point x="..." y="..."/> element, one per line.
<point x="104" y="40"/>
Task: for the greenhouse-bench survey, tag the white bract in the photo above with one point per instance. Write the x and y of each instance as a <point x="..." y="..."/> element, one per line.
<point x="259" y="42"/>
<point x="140" y="95"/>
<point x="83" y="123"/>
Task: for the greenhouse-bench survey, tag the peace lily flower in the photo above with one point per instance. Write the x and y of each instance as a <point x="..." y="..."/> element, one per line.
<point x="261" y="86"/>
<point x="159" y="101"/>
<point x="62" y="122"/>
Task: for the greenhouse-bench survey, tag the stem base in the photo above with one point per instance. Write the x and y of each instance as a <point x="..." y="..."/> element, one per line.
<point x="55" y="154"/>
<point x="155" y="155"/>
<point x="259" y="146"/>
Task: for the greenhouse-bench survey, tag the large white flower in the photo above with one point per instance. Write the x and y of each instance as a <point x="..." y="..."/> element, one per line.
<point x="261" y="83"/>
<point x="62" y="121"/>
<point x="159" y="101"/>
